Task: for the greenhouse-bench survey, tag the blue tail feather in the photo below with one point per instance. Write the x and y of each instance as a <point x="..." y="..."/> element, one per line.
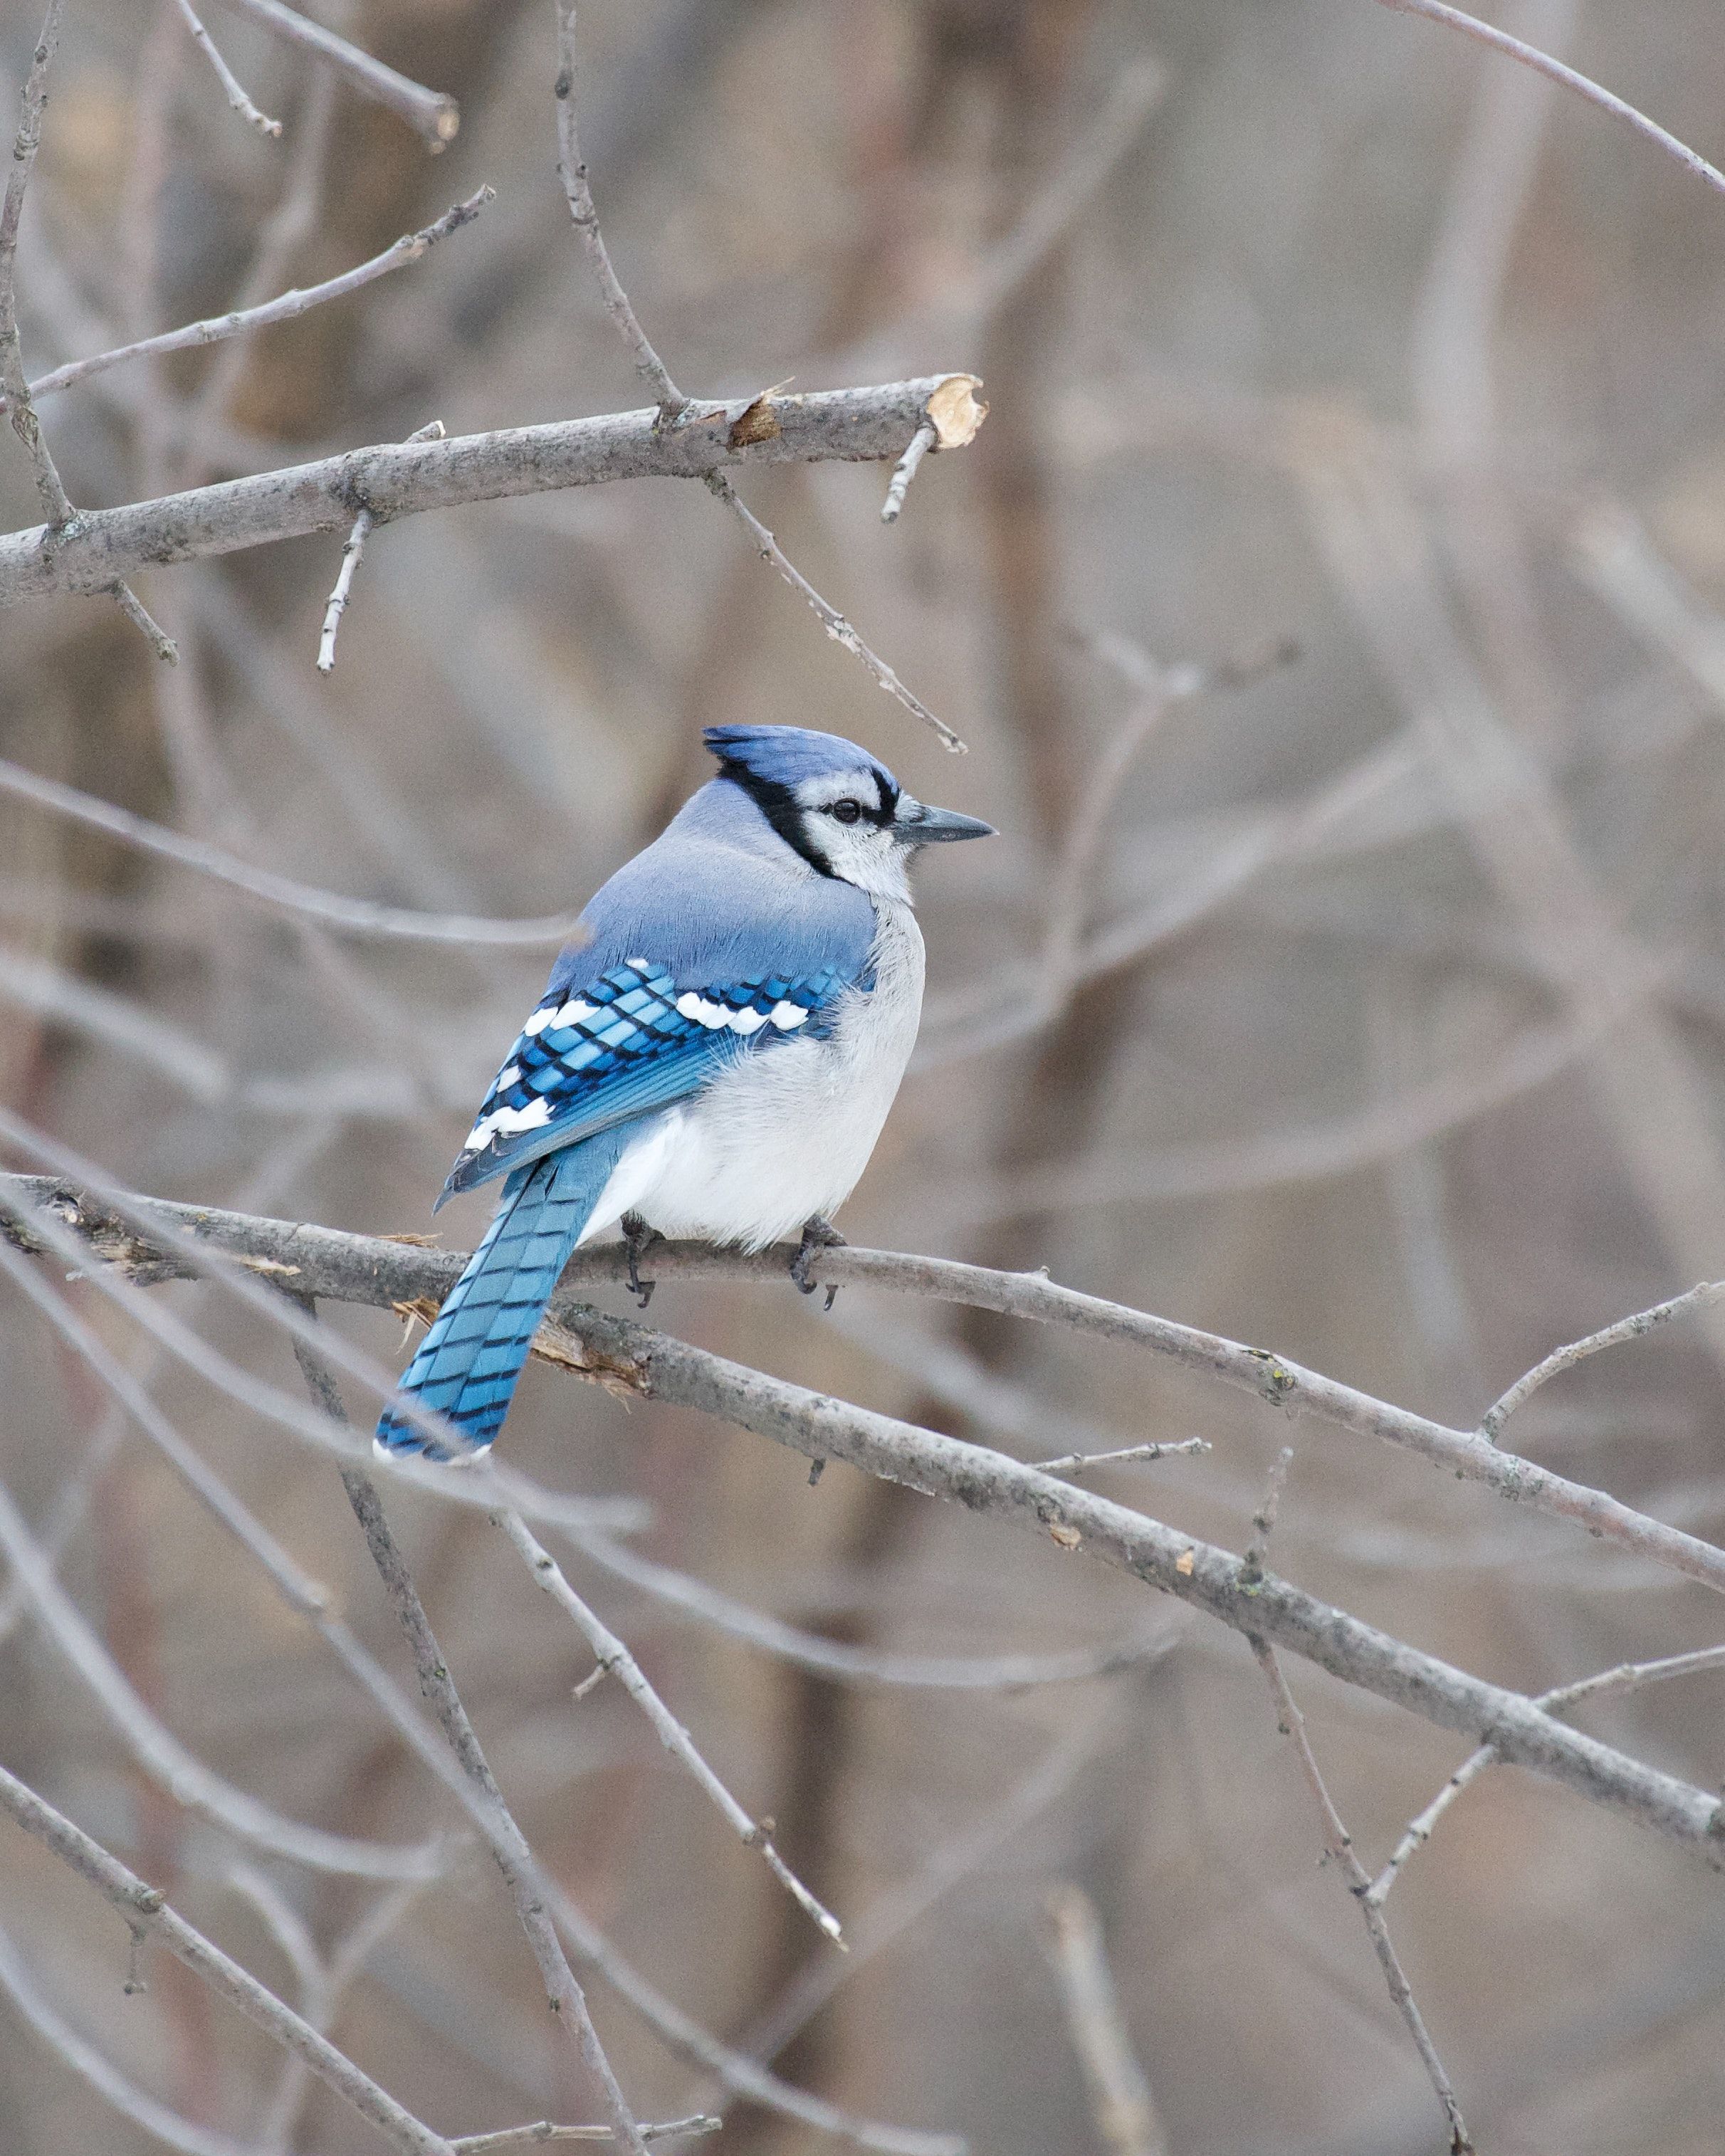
<point x="468" y="1364"/>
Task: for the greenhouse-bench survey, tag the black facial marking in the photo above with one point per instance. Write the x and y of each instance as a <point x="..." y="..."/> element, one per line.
<point x="787" y="815"/>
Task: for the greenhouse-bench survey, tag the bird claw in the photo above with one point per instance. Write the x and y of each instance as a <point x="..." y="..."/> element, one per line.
<point x="638" y="1238"/>
<point x="818" y="1234"/>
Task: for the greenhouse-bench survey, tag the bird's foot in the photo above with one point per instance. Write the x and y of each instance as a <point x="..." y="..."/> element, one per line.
<point x="638" y="1238"/>
<point x="818" y="1234"/>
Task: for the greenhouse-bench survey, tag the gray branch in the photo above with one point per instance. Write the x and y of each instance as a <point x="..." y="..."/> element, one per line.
<point x="368" y="1271"/>
<point x="399" y="479"/>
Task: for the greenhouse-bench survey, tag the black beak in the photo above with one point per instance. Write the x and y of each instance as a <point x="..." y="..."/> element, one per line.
<point x="917" y="825"/>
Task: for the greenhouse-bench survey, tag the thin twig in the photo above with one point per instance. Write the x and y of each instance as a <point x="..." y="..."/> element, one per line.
<point x="1622" y="1676"/>
<point x="764" y="422"/>
<point x="434" y="116"/>
<point x="1339" y="1845"/>
<point x="1128" y="1455"/>
<point x="514" y="1856"/>
<point x="1612" y="1336"/>
<point x="835" y="623"/>
<point x="571" y="170"/>
<point x="287" y="306"/>
<point x="63" y="519"/>
<point x="350" y="917"/>
<point x="147" y="1913"/>
<point x="231" y="84"/>
<point x="353" y="548"/>
<point x="614" y="1657"/>
<point x="1120" y="2098"/>
<point x="905" y="470"/>
<point x="1470" y="26"/>
<point x="1252" y="1570"/>
<point x="536" y="2135"/>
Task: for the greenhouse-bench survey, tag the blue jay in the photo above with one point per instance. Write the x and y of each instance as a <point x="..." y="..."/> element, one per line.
<point x="715" y="1058"/>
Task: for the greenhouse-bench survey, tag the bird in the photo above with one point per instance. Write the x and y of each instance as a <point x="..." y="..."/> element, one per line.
<point x="714" y="1056"/>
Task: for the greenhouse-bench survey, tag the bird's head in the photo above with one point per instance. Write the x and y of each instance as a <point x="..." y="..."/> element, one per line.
<point x="839" y="806"/>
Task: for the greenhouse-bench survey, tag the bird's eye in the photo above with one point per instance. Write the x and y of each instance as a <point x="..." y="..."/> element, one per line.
<point x="847" y="812"/>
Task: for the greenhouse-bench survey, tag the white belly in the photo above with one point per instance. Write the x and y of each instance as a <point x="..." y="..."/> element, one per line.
<point x="786" y="1133"/>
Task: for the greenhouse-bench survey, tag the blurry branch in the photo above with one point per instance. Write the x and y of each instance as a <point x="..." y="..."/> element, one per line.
<point x="1530" y="56"/>
<point x="63" y="519"/>
<point x="350" y="917"/>
<point x="215" y="328"/>
<point x="352" y="548"/>
<point x="536" y="2137"/>
<point x="195" y="1787"/>
<point x="365" y="1270"/>
<point x="1338" y="1846"/>
<point x="508" y="1846"/>
<point x="18" y="1981"/>
<point x="952" y="410"/>
<point x="232" y="87"/>
<point x="431" y="114"/>
<point x="1625" y="1676"/>
<point x="615" y="1659"/>
<point x="391" y="480"/>
<point x="148" y="1917"/>
<point x="1577" y="1350"/>
<point x="844" y="1664"/>
<point x="1119" y="2096"/>
<point x="1612" y="551"/>
<point x="960" y="1856"/>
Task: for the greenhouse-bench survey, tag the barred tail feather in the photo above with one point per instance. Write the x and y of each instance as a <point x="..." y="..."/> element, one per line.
<point x="469" y="1361"/>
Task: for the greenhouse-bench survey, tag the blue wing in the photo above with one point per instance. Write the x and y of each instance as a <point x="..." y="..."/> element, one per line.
<point x="628" y="1042"/>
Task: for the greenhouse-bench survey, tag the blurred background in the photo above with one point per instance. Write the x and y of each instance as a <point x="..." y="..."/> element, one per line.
<point x="1368" y="1004"/>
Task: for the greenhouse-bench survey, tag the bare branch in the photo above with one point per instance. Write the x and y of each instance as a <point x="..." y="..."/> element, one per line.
<point x="215" y="329"/>
<point x="905" y="470"/>
<point x="350" y="917"/>
<point x="351" y="550"/>
<point x="834" y="623"/>
<point x="431" y="114"/>
<point x="508" y="1846"/>
<point x="853" y="426"/>
<point x="616" y="1659"/>
<point x="18" y="1981"/>
<point x="145" y="1911"/>
<point x="1577" y="1350"/>
<point x="571" y="170"/>
<point x="231" y="84"/>
<point x="1339" y="1845"/>
<point x="536" y="2137"/>
<point x="1530" y="56"/>
<point x="365" y="1270"/>
<point x="1119" y="2096"/>
<point x="845" y="1664"/>
<point x="1128" y="1455"/>
<point x="56" y="503"/>
<point x="1624" y="1676"/>
<point x="192" y="1785"/>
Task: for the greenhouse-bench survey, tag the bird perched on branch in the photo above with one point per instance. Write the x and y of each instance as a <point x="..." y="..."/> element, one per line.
<point x="714" y="1060"/>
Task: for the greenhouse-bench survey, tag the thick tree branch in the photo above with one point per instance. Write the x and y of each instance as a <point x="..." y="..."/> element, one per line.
<point x="366" y="1269"/>
<point x="399" y="479"/>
